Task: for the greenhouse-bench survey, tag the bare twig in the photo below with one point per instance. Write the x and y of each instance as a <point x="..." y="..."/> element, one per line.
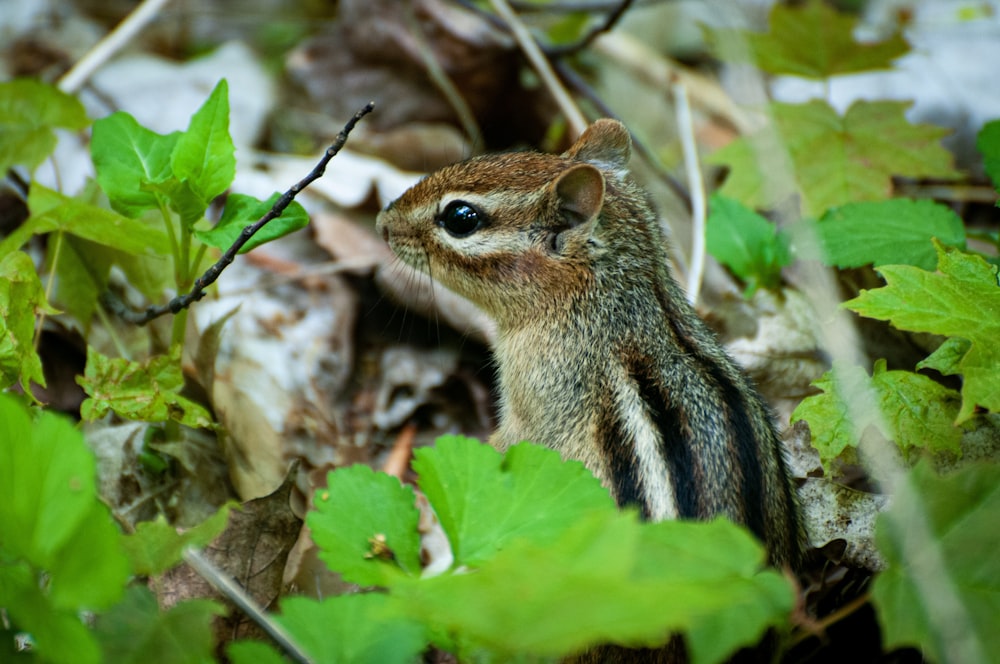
<point x="696" y="185"/>
<point x="574" y="6"/>
<point x="649" y="66"/>
<point x="574" y="117"/>
<point x="235" y="593"/>
<point x="204" y="281"/>
<point x="110" y="45"/>
<point x="583" y="89"/>
<point x="609" y="22"/>
<point x="439" y="77"/>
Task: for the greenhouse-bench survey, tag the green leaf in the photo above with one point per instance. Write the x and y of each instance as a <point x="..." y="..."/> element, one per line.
<point x="746" y="243"/>
<point x="149" y="391"/>
<point x="136" y="632"/>
<point x="352" y="628"/>
<point x="919" y="412"/>
<point x="79" y="277"/>
<point x="947" y="359"/>
<point x="988" y="143"/>
<point x="156" y="546"/>
<point x="188" y="205"/>
<point x="912" y="410"/>
<point x="59" y="635"/>
<point x="835" y="159"/>
<point x="813" y="41"/>
<point x="941" y="589"/>
<point x="204" y="155"/>
<point x="893" y="232"/>
<point x="21" y="299"/>
<point x="52" y="518"/>
<point x="961" y="299"/>
<point x="128" y="157"/>
<point x="835" y="434"/>
<point x="359" y="509"/>
<point x="53" y="212"/>
<point x="603" y="579"/>
<point x="242" y="210"/>
<point x="569" y="29"/>
<point x="253" y="652"/>
<point x="484" y="501"/>
<point x="29" y="111"/>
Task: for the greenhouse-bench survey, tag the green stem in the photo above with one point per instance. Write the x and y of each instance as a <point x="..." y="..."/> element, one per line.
<point x="184" y="281"/>
<point x="40" y="323"/>
<point x="112" y="333"/>
<point x="178" y="328"/>
<point x="168" y="221"/>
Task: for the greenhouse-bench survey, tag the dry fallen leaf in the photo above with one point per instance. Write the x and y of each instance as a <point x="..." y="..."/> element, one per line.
<point x="253" y="549"/>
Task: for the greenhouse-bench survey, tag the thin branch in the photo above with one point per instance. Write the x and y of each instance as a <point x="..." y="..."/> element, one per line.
<point x="574" y="117"/>
<point x="439" y="77"/>
<point x="111" y="44"/>
<point x="235" y="593"/>
<point x="575" y="6"/>
<point x="609" y="22"/>
<point x="583" y="89"/>
<point x="204" y="281"/>
<point x="696" y="184"/>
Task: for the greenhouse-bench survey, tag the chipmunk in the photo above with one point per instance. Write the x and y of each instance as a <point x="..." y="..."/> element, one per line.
<point x="599" y="354"/>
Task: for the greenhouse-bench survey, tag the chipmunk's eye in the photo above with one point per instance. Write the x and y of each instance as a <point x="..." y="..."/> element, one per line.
<point x="461" y="219"/>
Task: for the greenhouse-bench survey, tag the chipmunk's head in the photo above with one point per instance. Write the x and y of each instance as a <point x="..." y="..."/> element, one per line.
<point x="505" y="230"/>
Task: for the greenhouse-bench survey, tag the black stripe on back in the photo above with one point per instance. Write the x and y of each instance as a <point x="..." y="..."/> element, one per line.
<point x="744" y="446"/>
<point x="748" y="451"/>
<point x="619" y="449"/>
<point x="677" y="451"/>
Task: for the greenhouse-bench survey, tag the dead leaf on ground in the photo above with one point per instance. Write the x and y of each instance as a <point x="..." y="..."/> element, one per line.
<point x="253" y="550"/>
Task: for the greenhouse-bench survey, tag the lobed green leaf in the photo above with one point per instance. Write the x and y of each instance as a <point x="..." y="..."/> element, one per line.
<point x="908" y="408"/>
<point x="353" y="628"/>
<point x="148" y="391"/>
<point x="61" y="549"/>
<point x="812" y="41"/>
<point x="21" y="299"/>
<point x="365" y="524"/>
<point x="136" y="631"/>
<point x="484" y="500"/>
<point x="59" y="635"/>
<point x="893" y="232"/>
<point x="961" y="299"/>
<point x="834" y="159"/>
<point x="941" y="589"/>
<point x="597" y="581"/>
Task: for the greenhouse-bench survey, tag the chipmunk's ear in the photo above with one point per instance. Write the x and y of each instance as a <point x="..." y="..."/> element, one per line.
<point x="606" y="143"/>
<point x="579" y="196"/>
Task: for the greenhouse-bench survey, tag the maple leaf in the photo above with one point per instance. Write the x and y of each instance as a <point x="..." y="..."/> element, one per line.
<point x="893" y="232"/>
<point x="835" y="159"/>
<point x="961" y="299"/>
<point x="908" y="408"/>
<point x="812" y="41"/>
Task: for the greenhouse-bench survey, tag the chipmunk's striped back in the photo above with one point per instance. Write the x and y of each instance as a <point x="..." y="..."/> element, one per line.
<point x="599" y="354"/>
